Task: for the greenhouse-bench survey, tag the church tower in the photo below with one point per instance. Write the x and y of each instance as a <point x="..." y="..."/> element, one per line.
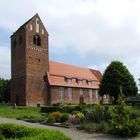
<point x="29" y="63"/>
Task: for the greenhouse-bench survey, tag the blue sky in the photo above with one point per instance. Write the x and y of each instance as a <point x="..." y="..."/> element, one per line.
<point x="86" y="33"/>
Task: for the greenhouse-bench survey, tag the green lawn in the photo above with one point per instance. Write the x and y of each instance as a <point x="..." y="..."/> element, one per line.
<point x="8" y="111"/>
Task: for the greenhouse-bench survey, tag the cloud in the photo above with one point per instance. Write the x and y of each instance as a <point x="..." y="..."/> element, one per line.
<point x="5" y="59"/>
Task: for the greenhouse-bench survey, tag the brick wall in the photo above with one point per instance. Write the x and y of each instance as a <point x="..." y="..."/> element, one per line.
<point x="29" y="64"/>
<point x="55" y="95"/>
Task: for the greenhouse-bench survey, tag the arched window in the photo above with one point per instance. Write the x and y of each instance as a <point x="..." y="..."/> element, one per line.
<point x="37" y="25"/>
<point x="37" y="40"/>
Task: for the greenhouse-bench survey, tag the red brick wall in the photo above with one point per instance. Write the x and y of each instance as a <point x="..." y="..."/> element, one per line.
<point x="55" y="95"/>
<point x="18" y="71"/>
<point x="31" y="62"/>
<point x="36" y="65"/>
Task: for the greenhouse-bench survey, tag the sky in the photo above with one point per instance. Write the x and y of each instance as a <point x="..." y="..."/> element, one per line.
<point x="86" y="33"/>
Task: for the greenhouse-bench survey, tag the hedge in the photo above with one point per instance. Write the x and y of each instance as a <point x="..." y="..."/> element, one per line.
<point x="49" y="109"/>
<point x="19" y="132"/>
<point x="66" y="109"/>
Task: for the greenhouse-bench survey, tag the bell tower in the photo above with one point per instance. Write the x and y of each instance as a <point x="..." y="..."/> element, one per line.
<point x="30" y="63"/>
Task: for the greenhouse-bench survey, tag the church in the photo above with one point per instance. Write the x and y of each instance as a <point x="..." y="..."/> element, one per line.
<point x="35" y="80"/>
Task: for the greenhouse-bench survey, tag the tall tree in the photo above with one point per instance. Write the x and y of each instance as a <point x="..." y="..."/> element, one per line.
<point x="4" y="90"/>
<point x="116" y="75"/>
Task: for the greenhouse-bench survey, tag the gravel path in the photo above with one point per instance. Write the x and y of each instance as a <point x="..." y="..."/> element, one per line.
<point x="73" y="133"/>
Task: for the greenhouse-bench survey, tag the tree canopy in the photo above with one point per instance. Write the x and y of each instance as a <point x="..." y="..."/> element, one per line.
<point x="4" y="90"/>
<point x="116" y="75"/>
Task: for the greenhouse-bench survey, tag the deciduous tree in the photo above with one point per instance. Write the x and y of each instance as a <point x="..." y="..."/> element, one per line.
<point x="116" y="75"/>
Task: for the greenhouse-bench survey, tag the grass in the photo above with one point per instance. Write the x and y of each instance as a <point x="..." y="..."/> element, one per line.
<point x="8" y="111"/>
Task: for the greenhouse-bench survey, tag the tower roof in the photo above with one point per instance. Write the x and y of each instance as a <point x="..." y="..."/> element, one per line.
<point x="28" y="21"/>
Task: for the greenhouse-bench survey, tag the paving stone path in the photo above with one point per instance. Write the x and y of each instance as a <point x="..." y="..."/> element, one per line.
<point x="73" y="133"/>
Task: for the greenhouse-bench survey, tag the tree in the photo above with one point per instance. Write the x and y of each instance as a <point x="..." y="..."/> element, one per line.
<point x="116" y="75"/>
<point x="123" y="123"/>
<point x="4" y="90"/>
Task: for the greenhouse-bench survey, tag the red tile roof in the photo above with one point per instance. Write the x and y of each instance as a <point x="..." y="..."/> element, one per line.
<point x="97" y="73"/>
<point x="58" y="72"/>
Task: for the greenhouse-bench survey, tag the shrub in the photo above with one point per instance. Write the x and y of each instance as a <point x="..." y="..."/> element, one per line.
<point x="106" y="114"/>
<point x="16" y="132"/>
<point x="96" y="127"/>
<point x="57" y="116"/>
<point x="95" y="115"/>
<point x="75" y="112"/>
<point x="71" y="108"/>
<point x="98" y="113"/>
<point x="89" y="127"/>
<point x="50" y="119"/>
<point x="2" y="137"/>
<point x="65" y="117"/>
<point x="74" y="120"/>
<point x="49" y="109"/>
<point x="33" y="118"/>
<point x="122" y="124"/>
<point x="80" y="115"/>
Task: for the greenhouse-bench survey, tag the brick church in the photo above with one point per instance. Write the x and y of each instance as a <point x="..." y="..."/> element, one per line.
<point x="38" y="81"/>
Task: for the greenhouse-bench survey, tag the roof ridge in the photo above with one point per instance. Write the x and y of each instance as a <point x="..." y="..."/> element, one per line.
<point x="26" y="23"/>
<point x="70" y="65"/>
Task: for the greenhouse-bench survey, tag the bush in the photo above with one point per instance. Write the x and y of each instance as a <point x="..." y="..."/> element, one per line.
<point x="17" y="132"/>
<point x="89" y="127"/>
<point x="107" y="114"/>
<point x="123" y="123"/>
<point x="49" y="109"/>
<point x="65" y="117"/>
<point x="57" y="116"/>
<point x="50" y="119"/>
<point x="95" y="115"/>
<point x="33" y="118"/>
<point x="71" y="108"/>
<point x="98" y="114"/>
<point x="95" y="127"/>
<point x="75" y="112"/>
<point x="2" y="137"/>
<point x="80" y="115"/>
<point x="74" y="120"/>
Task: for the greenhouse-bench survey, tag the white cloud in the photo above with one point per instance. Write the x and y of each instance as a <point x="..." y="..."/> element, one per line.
<point x="5" y="59"/>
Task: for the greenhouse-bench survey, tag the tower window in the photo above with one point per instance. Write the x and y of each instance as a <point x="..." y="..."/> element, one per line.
<point x="37" y="25"/>
<point x="31" y="27"/>
<point x="37" y="40"/>
<point x="42" y="31"/>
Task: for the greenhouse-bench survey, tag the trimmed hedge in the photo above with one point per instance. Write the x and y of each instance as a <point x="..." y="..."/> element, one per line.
<point x="66" y="109"/>
<point x="71" y="108"/>
<point x="19" y="132"/>
<point x="50" y="109"/>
